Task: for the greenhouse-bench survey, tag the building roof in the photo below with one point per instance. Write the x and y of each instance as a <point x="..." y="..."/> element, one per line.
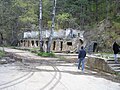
<point x="67" y="33"/>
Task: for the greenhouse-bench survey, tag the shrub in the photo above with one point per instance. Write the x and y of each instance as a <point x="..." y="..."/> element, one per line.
<point x="2" y="53"/>
<point x="45" y="54"/>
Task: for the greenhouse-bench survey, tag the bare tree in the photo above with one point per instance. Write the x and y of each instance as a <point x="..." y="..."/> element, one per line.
<point x="52" y="28"/>
<point x="96" y="2"/>
<point x="1" y="38"/>
<point x="107" y="4"/>
<point x="40" y="26"/>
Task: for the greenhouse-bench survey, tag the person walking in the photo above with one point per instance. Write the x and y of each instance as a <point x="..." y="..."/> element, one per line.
<point x="81" y="58"/>
<point x="116" y="50"/>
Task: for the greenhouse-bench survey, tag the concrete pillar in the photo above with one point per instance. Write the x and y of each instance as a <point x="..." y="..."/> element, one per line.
<point x="26" y="43"/>
<point x="57" y="45"/>
<point x="52" y="45"/>
<point x="30" y="43"/>
<point x="45" y="47"/>
<point x="35" y="43"/>
<point x="64" y="45"/>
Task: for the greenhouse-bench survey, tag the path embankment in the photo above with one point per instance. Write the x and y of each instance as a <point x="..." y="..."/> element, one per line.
<point x="92" y="61"/>
<point x="95" y="62"/>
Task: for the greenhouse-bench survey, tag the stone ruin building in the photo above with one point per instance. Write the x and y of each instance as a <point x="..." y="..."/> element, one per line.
<point x="68" y="40"/>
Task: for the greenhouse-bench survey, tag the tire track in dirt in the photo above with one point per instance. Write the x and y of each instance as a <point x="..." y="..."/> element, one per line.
<point x="54" y="79"/>
<point x="17" y="80"/>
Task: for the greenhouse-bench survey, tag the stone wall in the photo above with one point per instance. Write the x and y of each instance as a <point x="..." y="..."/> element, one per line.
<point x="58" y="45"/>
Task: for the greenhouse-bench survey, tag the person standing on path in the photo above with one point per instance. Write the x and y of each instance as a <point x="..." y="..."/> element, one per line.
<point x="116" y="50"/>
<point x="81" y="57"/>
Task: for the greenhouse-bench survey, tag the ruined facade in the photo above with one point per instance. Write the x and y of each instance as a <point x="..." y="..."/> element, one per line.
<point x="63" y="40"/>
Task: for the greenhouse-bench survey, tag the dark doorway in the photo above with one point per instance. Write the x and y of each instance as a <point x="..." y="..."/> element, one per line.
<point x="54" y="43"/>
<point x="94" y="47"/>
<point x="24" y="42"/>
<point x="61" y="45"/>
<point x="32" y="43"/>
<point x="47" y="43"/>
<point x="81" y="42"/>
<point x="37" y="43"/>
<point x="21" y="41"/>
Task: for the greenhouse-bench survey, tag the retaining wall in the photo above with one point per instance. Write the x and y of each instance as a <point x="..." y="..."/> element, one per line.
<point x="98" y="63"/>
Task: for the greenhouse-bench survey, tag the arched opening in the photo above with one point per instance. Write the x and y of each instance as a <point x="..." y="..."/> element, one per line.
<point x="81" y="41"/>
<point x="32" y="43"/>
<point x="54" y="43"/>
<point x="21" y="41"/>
<point x="61" y="45"/>
<point x="37" y="43"/>
<point x="47" y="43"/>
<point x="94" y="47"/>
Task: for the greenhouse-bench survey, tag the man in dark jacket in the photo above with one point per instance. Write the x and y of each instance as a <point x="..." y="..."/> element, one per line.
<point x="116" y="50"/>
<point x="81" y="57"/>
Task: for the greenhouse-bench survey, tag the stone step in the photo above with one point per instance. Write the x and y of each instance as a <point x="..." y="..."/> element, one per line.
<point x="115" y="68"/>
<point x="114" y="65"/>
<point x="113" y="62"/>
<point x="110" y="60"/>
<point x="118" y="70"/>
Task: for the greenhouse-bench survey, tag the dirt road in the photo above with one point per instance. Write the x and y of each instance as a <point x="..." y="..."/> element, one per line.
<point x="49" y="74"/>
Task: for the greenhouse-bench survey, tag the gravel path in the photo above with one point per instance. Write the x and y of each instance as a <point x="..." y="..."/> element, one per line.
<point x="50" y="74"/>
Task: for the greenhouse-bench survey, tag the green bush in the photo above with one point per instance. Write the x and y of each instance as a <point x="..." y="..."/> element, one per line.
<point x="116" y="25"/>
<point x="2" y="53"/>
<point x="45" y="54"/>
<point x="34" y="50"/>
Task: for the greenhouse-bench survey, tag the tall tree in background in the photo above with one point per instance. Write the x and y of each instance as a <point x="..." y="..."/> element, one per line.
<point x="17" y="16"/>
<point x="96" y="2"/>
<point x="83" y="13"/>
<point x="52" y="28"/>
<point x="7" y="20"/>
<point x="40" y="25"/>
<point x="107" y="4"/>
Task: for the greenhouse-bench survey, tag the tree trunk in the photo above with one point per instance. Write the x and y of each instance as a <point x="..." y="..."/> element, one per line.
<point x="1" y="41"/>
<point x="1" y="38"/>
<point x="14" y="39"/>
<point x="107" y="4"/>
<point x="40" y="26"/>
<point x="52" y="28"/>
<point x="96" y="10"/>
<point x="117" y="10"/>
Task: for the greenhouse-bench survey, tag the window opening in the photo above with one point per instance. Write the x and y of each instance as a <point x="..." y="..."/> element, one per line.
<point x="69" y="43"/>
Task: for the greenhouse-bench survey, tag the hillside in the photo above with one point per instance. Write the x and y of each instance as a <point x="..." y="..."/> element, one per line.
<point x="104" y="33"/>
<point x="17" y="16"/>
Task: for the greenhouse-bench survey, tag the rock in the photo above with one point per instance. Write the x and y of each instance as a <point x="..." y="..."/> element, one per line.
<point x="3" y="61"/>
<point x="6" y="60"/>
